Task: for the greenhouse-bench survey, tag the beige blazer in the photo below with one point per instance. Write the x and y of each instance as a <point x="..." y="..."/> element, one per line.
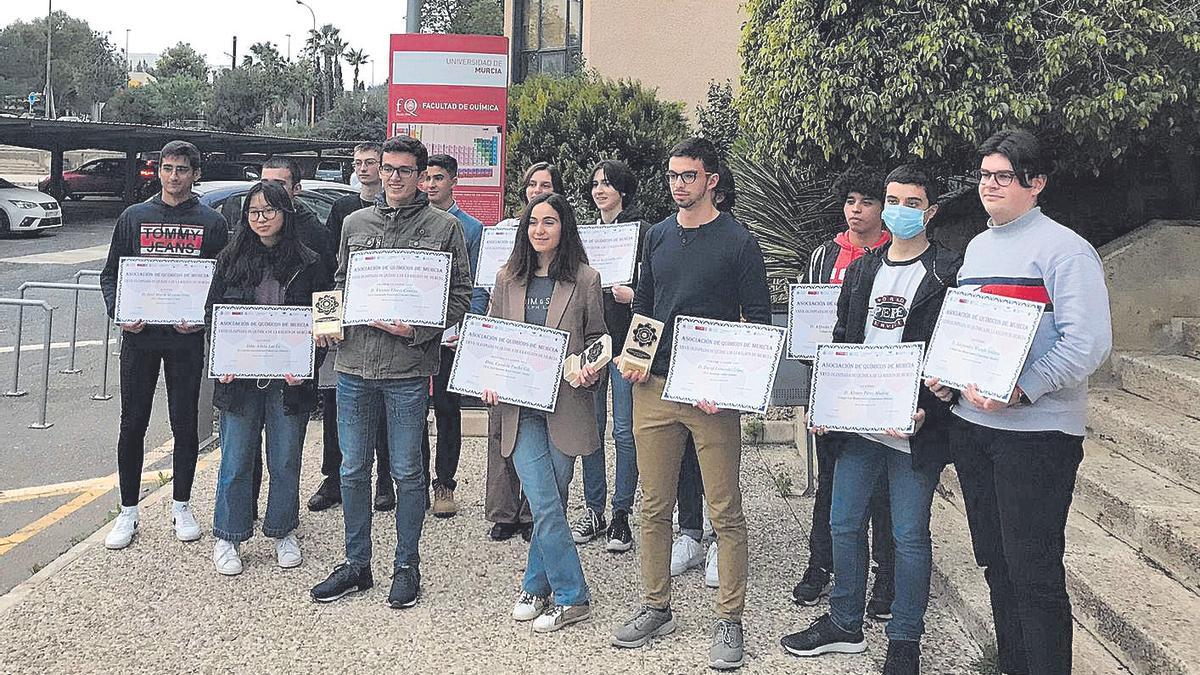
<point x="576" y="307"/>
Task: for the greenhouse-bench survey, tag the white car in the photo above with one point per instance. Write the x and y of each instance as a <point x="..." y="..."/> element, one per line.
<point x="25" y="210"/>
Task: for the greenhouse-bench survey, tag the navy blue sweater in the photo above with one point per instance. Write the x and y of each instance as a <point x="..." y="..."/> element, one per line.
<point x="715" y="271"/>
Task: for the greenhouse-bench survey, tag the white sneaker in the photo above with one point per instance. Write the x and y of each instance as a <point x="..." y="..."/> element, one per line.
<point x="709" y="533"/>
<point x="711" y="578"/>
<point x="226" y="559"/>
<point x="528" y="607"/>
<point x="186" y="527"/>
<point x="287" y="552"/>
<point x="686" y="553"/>
<point x="123" y="529"/>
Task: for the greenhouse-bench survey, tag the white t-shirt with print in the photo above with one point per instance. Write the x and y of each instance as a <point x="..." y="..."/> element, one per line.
<point x="892" y="294"/>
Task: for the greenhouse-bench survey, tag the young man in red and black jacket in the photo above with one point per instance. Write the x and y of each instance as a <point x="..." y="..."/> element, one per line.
<point x="171" y="224"/>
<point x="861" y="193"/>
<point x="889" y="296"/>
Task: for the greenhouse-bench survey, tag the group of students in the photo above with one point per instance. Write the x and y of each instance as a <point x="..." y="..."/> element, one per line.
<point x="1016" y="460"/>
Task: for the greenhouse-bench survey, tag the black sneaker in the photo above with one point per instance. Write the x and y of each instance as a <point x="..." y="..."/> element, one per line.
<point x="815" y="583"/>
<point x="526" y="531"/>
<point x="903" y="658"/>
<point x="346" y="578"/>
<point x="823" y="637"/>
<point x="327" y="495"/>
<point x="406" y="586"/>
<point x="503" y="531"/>
<point x="879" y="607"/>
<point x="385" y="494"/>
<point x="620" y="539"/>
<point x="589" y="526"/>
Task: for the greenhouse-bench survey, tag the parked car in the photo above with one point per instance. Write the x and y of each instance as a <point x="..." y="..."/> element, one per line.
<point x="106" y="177"/>
<point x="331" y="170"/>
<point x="226" y="171"/>
<point x="25" y="210"/>
<point x="227" y="196"/>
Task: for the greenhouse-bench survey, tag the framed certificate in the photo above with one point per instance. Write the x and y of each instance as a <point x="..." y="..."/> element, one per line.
<point x="611" y="251"/>
<point x="495" y="246"/>
<point x="267" y="341"/>
<point x="521" y="362"/>
<point x="163" y="291"/>
<point x="728" y="363"/>
<point x="397" y="284"/>
<point x="982" y="339"/>
<point x="812" y="314"/>
<point x="866" y="388"/>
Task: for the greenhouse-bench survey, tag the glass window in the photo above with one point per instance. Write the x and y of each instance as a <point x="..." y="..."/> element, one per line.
<point x="554" y="24"/>
<point x="549" y="38"/>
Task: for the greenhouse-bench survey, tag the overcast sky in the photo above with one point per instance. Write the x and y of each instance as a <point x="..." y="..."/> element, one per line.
<point x="209" y="25"/>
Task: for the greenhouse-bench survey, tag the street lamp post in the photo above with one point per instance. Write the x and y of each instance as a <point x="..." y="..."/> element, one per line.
<point x="289" y="37"/>
<point x="312" y="105"/>
<point x="128" y="62"/>
<point x="49" y="30"/>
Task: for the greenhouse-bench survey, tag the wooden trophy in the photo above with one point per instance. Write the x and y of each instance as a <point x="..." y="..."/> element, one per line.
<point x="640" y="345"/>
<point x="327" y="314"/>
<point x="597" y="355"/>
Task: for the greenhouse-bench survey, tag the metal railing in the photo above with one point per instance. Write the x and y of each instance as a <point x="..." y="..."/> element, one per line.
<point x="21" y="304"/>
<point x="16" y="387"/>
<point x="71" y="369"/>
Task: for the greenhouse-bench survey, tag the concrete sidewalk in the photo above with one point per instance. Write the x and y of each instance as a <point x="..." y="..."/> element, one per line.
<point x="159" y="606"/>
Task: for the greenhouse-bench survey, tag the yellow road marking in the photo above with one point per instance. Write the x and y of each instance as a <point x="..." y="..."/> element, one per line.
<point x="7" y="543"/>
<point x="72" y="487"/>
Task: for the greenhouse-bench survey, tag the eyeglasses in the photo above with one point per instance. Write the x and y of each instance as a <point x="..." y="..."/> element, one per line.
<point x="171" y="168"/>
<point x="262" y="214"/>
<point x="365" y="162"/>
<point x="687" y="177"/>
<point x="1003" y="178"/>
<point x="404" y="171"/>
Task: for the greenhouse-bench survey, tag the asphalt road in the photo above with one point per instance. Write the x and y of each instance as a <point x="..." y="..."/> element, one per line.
<point x="56" y="484"/>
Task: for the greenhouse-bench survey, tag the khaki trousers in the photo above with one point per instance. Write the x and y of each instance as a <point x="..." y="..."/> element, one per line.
<point x="660" y="429"/>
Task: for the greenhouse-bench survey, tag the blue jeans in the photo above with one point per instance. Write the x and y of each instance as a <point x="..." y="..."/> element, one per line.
<point x="241" y="433"/>
<point x="595" y="478"/>
<point x="859" y="467"/>
<point x="403" y="402"/>
<point x="545" y="472"/>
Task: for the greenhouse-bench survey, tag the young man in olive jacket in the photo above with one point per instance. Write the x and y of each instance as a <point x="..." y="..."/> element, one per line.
<point x="390" y="363"/>
<point x="891" y="295"/>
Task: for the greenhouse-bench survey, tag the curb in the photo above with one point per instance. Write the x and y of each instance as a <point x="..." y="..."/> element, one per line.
<point x="17" y="594"/>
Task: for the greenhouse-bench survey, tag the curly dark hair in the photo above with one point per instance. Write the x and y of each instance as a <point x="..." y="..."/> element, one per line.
<point x="865" y="180"/>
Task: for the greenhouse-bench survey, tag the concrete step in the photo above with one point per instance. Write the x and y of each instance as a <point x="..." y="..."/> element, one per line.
<point x="1189" y="330"/>
<point x="959" y="582"/>
<point x="1151" y="620"/>
<point x="1147" y="433"/>
<point x="1170" y="379"/>
<point x="1155" y="515"/>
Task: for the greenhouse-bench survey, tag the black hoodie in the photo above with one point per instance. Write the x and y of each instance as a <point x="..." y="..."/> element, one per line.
<point x="154" y="228"/>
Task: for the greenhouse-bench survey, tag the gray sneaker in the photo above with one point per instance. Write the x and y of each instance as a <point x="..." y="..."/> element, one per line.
<point x="726" y="650"/>
<point x="647" y="623"/>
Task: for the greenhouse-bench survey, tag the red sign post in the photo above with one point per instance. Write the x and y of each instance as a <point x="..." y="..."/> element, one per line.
<point x="451" y="93"/>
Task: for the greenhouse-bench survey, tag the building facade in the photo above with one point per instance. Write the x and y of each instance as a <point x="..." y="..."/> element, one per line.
<point x="676" y="46"/>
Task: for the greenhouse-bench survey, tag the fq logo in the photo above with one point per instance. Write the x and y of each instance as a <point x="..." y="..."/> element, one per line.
<point x="406" y="107"/>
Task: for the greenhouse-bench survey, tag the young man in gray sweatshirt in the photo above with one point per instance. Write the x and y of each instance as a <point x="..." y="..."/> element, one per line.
<point x="1017" y="460"/>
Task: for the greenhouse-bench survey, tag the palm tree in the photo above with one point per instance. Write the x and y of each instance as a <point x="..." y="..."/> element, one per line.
<point x="330" y="43"/>
<point x="356" y="58"/>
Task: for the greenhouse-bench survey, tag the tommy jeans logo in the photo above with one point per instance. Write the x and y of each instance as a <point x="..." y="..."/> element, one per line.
<point x="162" y="239"/>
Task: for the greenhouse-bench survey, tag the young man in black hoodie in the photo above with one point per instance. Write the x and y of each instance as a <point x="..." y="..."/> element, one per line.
<point x="171" y="224"/>
<point x="860" y="190"/>
<point x="890" y="295"/>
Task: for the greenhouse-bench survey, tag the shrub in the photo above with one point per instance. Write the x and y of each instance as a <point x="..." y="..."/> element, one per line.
<point x="578" y="120"/>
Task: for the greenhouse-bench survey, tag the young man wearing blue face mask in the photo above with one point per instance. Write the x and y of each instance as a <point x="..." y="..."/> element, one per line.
<point x="890" y="295"/>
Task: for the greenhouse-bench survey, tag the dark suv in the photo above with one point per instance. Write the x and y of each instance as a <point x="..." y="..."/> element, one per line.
<point x="106" y="178"/>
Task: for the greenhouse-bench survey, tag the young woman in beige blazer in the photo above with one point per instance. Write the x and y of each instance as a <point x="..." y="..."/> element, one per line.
<point x="547" y="281"/>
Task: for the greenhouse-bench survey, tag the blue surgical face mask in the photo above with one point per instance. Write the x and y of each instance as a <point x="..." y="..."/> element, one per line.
<point x="904" y="222"/>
